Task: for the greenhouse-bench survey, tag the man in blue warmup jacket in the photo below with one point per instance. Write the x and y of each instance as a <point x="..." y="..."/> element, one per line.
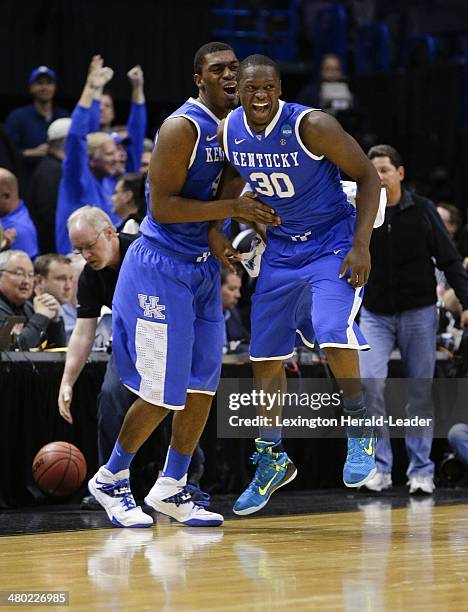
<point x="90" y="167"/>
<point x="15" y="215"/>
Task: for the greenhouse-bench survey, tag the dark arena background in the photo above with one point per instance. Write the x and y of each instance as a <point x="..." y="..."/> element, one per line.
<point x="394" y="75"/>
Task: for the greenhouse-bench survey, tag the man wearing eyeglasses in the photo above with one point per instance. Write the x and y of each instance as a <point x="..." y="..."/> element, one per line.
<point x="93" y="235"/>
<point x="16" y="288"/>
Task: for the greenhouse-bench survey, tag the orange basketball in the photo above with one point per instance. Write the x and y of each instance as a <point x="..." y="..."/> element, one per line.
<point x="59" y="468"/>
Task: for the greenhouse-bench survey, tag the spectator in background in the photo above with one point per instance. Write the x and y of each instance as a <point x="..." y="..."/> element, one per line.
<point x="129" y="202"/>
<point x="122" y="141"/>
<point x="54" y="275"/>
<point x="27" y="125"/>
<point x="42" y="315"/>
<point x="15" y="216"/>
<point x="331" y="92"/>
<point x="236" y="338"/>
<point x="89" y="167"/>
<point x="458" y="440"/>
<point x="43" y="193"/>
<point x="90" y="176"/>
<point x="106" y="112"/>
<point x="148" y="147"/>
<point x="451" y="218"/>
<point x="128" y="138"/>
<point x="400" y="306"/>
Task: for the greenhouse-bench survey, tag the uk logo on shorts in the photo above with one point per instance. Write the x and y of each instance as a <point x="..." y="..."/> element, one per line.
<point x="151" y="306"/>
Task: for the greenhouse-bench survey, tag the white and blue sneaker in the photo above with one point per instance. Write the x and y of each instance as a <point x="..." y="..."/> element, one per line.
<point x="360" y="466"/>
<point x="113" y="492"/>
<point x="274" y="470"/>
<point x="182" y="502"/>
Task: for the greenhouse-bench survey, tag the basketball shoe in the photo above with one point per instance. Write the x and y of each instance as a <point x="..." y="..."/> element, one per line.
<point x="359" y="466"/>
<point x="379" y="482"/>
<point x="421" y="485"/>
<point x="113" y="492"/>
<point x="184" y="503"/>
<point x="274" y="470"/>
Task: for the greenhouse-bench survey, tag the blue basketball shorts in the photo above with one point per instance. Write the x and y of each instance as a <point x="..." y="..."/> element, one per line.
<point x="299" y="291"/>
<point x="167" y="324"/>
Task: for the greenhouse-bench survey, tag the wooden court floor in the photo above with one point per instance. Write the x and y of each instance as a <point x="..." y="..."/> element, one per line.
<point x="413" y="558"/>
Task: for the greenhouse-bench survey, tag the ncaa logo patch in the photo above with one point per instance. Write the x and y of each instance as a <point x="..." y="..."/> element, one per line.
<point x="286" y="130"/>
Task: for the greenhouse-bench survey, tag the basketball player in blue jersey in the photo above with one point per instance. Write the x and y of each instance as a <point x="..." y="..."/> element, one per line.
<point x="315" y="262"/>
<point x="167" y="314"/>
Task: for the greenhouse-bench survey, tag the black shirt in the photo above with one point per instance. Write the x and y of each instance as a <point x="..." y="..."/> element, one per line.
<point x="403" y="251"/>
<point x="96" y="287"/>
<point x="42" y="200"/>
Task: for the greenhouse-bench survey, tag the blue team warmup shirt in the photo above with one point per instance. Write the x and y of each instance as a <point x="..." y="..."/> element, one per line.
<point x="79" y="186"/>
<point x="26" y="234"/>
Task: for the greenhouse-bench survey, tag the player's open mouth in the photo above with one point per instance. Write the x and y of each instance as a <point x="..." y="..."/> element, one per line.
<point x="230" y="90"/>
<point x="260" y="107"/>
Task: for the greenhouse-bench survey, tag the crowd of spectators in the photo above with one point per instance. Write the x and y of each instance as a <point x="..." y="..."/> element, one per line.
<point x="66" y="161"/>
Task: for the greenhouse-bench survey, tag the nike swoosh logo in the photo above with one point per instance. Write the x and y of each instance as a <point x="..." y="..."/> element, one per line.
<point x="336" y="252"/>
<point x="238" y="141"/>
<point x="102" y="483"/>
<point x="210" y="138"/>
<point x="264" y="490"/>
<point x="369" y="449"/>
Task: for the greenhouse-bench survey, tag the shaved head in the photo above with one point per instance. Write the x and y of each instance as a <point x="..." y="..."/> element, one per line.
<point x="8" y="181"/>
<point x="9" y="197"/>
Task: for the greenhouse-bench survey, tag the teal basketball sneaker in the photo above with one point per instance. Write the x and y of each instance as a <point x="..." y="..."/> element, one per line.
<point x="360" y="461"/>
<point x="274" y="470"/>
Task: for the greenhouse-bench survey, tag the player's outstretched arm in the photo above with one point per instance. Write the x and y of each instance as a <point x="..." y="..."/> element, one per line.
<point x="168" y="171"/>
<point x="323" y="135"/>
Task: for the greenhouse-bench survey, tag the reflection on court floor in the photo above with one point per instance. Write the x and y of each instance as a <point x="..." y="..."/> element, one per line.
<point x="378" y="558"/>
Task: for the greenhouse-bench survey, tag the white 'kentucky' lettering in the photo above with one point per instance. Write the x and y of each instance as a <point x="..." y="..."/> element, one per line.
<point x="265" y="160"/>
<point x="214" y="154"/>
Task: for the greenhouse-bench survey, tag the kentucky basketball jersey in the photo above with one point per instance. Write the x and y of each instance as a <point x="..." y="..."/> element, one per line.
<point x="206" y="164"/>
<point x="304" y="189"/>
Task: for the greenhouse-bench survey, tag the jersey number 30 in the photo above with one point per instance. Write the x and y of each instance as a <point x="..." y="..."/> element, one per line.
<point x="277" y="183"/>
